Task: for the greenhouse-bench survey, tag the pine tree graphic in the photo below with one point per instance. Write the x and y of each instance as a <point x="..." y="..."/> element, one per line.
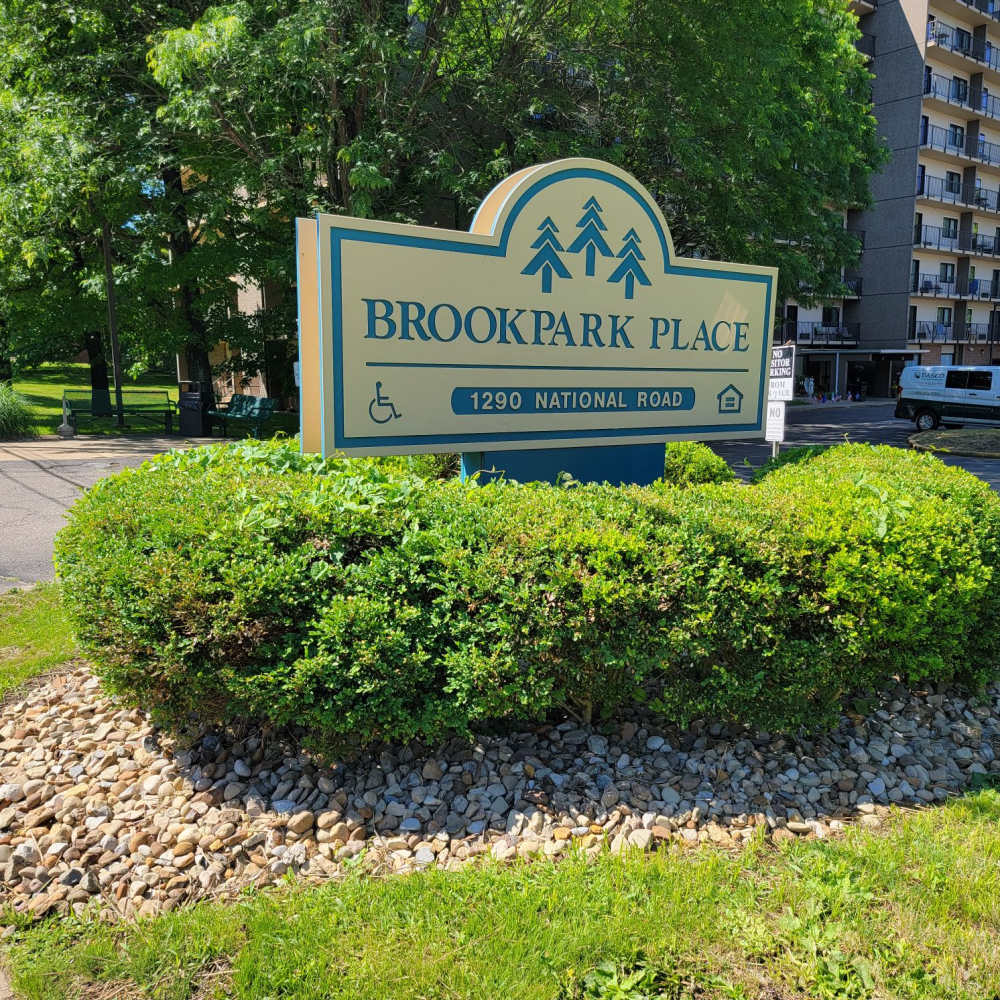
<point x="591" y="226"/>
<point x="630" y="270"/>
<point x="547" y="259"/>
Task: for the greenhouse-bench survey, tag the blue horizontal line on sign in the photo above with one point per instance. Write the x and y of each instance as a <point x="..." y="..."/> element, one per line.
<point x="554" y="368"/>
<point x="554" y="399"/>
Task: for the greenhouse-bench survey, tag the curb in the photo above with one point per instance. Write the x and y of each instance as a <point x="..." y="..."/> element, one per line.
<point x="918" y="446"/>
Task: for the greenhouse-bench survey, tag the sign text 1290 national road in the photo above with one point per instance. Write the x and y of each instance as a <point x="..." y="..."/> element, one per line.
<point x="563" y="319"/>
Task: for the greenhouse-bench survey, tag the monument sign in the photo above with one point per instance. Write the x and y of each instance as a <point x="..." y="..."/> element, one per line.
<point x="563" y="319"/>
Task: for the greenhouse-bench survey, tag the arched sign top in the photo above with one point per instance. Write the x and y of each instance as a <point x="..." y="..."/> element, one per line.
<point x="563" y="318"/>
<point x="501" y="209"/>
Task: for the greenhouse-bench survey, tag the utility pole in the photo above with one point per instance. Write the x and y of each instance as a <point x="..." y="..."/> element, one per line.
<point x="116" y="356"/>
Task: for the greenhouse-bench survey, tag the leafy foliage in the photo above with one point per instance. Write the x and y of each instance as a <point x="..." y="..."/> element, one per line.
<point x="789" y="456"/>
<point x="363" y="602"/>
<point x="198" y="131"/>
<point x="16" y="420"/>
<point x="688" y="463"/>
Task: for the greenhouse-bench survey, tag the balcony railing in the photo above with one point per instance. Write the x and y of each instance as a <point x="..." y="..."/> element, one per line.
<point x="822" y="335"/>
<point x="935" y="238"/>
<point x="961" y="94"/>
<point x="940" y="189"/>
<point x="988" y="7"/>
<point x="944" y="139"/>
<point x="979" y="289"/>
<point x="931" y="332"/>
<point x="948" y="37"/>
<point x="935" y="286"/>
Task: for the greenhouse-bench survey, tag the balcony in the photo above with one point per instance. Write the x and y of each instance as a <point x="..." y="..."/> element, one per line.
<point x="934" y="286"/>
<point x="979" y="290"/>
<point x="820" y="335"/>
<point x="960" y="94"/>
<point x="948" y="39"/>
<point x="862" y="7"/>
<point x="853" y="286"/>
<point x="944" y="140"/>
<point x="936" y="238"/>
<point x="931" y="332"/>
<point x="989" y="8"/>
<point x="941" y="189"/>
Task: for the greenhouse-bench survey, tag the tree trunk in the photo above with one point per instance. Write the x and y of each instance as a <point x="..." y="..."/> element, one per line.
<point x="180" y="243"/>
<point x="100" y="389"/>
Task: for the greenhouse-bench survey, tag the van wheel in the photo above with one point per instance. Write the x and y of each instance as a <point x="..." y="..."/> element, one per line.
<point x="926" y="420"/>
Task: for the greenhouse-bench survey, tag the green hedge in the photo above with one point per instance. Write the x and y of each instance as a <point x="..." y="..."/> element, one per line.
<point x="690" y="463"/>
<point x="362" y="602"/>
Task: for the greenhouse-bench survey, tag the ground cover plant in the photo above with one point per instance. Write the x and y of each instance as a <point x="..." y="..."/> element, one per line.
<point x="361" y="601"/>
<point x="34" y="635"/>
<point x="910" y="913"/>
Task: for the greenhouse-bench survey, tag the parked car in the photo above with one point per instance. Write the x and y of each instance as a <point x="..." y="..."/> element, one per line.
<point x="930" y="395"/>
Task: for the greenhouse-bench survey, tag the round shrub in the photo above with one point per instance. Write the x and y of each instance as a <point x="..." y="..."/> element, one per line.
<point x="689" y="463"/>
<point x="362" y="602"/>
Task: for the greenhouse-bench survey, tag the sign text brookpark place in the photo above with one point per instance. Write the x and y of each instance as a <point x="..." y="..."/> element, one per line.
<point x="563" y="319"/>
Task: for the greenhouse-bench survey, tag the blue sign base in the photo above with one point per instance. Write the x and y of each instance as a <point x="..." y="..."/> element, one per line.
<point x="641" y="464"/>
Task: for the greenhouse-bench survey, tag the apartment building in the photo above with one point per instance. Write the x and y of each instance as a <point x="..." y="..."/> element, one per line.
<point x="927" y="287"/>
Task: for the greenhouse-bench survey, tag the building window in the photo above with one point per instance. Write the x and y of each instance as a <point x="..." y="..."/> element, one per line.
<point x="963" y="40"/>
<point x="947" y="359"/>
<point x="921" y="171"/>
<point x="956" y="135"/>
<point x="950" y="229"/>
<point x="959" y="90"/>
<point x="953" y="182"/>
<point x="946" y="272"/>
<point x="914" y="275"/>
<point x="944" y="315"/>
<point x="831" y="316"/>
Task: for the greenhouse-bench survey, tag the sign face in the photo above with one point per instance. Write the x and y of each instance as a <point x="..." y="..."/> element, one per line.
<point x="782" y="383"/>
<point x="774" y="429"/>
<point x="564" y="318"/>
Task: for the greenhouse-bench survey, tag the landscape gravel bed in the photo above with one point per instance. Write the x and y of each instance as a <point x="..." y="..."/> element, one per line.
<point x="97" y="806"/>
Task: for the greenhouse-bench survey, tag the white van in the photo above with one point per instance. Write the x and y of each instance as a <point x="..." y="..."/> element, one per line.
<point x="954" y="394"/>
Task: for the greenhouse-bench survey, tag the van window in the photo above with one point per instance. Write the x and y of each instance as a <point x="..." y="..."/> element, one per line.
<point x="981" y="380"/>
<point x="957" y="380"/>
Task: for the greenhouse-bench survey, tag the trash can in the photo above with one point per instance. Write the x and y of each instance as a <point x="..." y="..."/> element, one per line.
<point x="193" y="406"/>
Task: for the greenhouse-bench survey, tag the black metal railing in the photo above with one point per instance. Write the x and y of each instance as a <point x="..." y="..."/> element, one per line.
<point x="941" y="189"/>
<point x="979" y="289"/>
<point x="935" y="238"/>
<point x="930" y="331"/>
<point x="822" y="334"/>
<point x="935" y="286"/>
<point x="945" y="89"/>
<point x="947" y="36"/>
<point x="944" y="139"/>
<point x="988" y="7"/>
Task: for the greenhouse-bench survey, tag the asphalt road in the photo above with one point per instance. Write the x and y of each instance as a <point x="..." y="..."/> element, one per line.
<point x="38" y="482"/>
<point x="40" y="479"/>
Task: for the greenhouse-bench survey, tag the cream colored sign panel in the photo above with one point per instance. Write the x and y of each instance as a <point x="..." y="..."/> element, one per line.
<point x="564" y="318"/>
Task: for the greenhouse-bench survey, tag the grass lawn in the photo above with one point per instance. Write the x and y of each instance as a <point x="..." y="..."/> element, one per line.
<point x="961" y="441"/>
<point x="34" y="635"/>
<point x="909" y="912"/>
<point x="43" y="388"/>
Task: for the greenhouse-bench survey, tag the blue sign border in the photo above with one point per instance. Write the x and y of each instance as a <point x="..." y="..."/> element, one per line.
<point x="339" y="236"/>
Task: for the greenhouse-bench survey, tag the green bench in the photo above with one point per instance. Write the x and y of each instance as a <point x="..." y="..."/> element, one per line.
<point x="255" y="411"/>
<point x="145" y="403"/>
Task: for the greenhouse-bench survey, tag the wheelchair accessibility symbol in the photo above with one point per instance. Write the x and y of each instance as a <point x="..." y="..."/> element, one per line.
<point x="381" y="409"/>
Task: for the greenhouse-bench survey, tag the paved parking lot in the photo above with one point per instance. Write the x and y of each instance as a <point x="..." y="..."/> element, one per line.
<point x="40" y="479"/>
